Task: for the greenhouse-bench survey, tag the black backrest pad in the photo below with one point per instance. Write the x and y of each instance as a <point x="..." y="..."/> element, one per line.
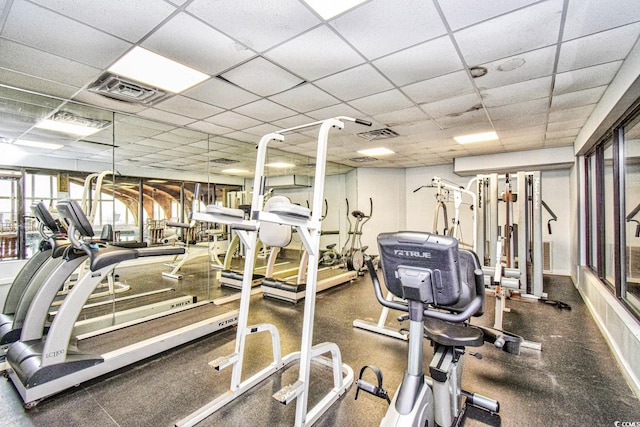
<point x="433" y="259"/>
<point x="71" y="212"/>
<point x="470" y="286"/>
<point x="43" y="215"/>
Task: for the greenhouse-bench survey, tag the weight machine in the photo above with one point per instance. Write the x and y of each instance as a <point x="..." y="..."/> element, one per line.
<point x="445" y="192"/>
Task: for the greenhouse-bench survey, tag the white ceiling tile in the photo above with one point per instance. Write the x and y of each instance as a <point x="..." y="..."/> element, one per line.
<point x="585" y="78"/>
<point x="166" y="117"/>
<point x="560" y="142"/>
<point x="380" y="27"/>
<point x="570" y="124"/>
<point x="260" y="130"/>
<point x="527" y="29"/>
<point x="357" y="82"/>
<point x="262" y="77"/>
<point x="35" y="84"/>
<point x="92" y="98"/>
<point x="315" y="54"/>
<point x="220" y="93"/>
<point x="520" y="122"/>
<point x="127" y="19"/>
<point x="230" y="119"/>
<point x="566" y="133"/>
<point x="520" y="109"/>
<point x="265" y="110"/>
<point x="457" y="105"/>
<point x="77" y="41"/>
<point x="259" y="25"/>
<point x="187" y="40"/>
<point x="419" y="62"/>
<point x="571" y="113"/>
<point x="335" y="111"/>
<point x="517" y="92"/>
<point x="598" y="48"/>
<point x="528" y="131"/>
<point x="44" y="65"/>
<point x="210" y="128"/>
<point x="463" y="119"/>
<point x="404" y="117"/>
<point x="382" y="102"/>
<point x="188" y="107"/>
<point x="578" y="98"/>
<point x="292" y="121"/>
<point x="518" y="68"/>
<point x="140" y="126"/>
<point x="591" y="16"/>
<point x="439" y="88"/>
<point x="157" y="143"/>
<point x="427" y="127"/>
<point x="460" y="14"/>
<point x="305" y="98"/>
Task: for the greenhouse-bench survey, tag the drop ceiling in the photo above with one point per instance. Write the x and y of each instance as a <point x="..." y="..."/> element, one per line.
<point x="402" y="64"/>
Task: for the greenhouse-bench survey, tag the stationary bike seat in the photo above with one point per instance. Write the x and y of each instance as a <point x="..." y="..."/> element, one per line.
<point x="453" y="334"/>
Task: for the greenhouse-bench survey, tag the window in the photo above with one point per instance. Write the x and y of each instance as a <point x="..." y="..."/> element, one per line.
<point x="608" y="221"/>
<point x="631" y="288"/>
<point x="613" y="210"/>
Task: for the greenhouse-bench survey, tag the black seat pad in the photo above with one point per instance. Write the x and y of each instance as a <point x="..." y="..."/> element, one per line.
<point x="453" y="334"/>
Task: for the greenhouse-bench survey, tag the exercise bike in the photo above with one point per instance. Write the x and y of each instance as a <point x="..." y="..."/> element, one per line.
<point x="443" y="288"/>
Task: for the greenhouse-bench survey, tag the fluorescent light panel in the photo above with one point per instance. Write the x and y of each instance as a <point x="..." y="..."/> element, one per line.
<point x="65" y="127"/>
<point x="280" y="165"/>
<point x="156" y="70"/>
<point x="38" y="144"/>
<point x="235" y="171"/>
<point x="379" y="151"/>
<point x="476" y="137"/>
<point x="330" y="8"/>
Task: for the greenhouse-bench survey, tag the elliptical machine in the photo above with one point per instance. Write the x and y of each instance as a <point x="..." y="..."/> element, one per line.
<point x="353" y="252"/>
<point x="443" y="287"/>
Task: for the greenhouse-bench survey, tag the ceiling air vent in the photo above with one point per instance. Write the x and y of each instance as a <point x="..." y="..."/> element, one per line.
<point x="363" y="159"/>
<point x="121" y="89"/>
<point x="384" y="133"/>
<point x="223" y="161"/>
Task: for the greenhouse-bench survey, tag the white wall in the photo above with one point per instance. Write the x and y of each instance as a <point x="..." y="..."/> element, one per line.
<point x="620" y="329"/>
<point x="386" y="187"/>
<point x="556" y="192"/>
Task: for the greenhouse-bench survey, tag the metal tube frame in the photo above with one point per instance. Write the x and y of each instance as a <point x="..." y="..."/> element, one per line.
<point x="309" y="232"/>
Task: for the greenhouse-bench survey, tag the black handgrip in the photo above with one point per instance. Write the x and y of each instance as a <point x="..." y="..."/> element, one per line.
<point x="549" y="227"/>
<point x="178" y="224"/>
<point x="638" y="230"/>
<point x="363" y="122"/>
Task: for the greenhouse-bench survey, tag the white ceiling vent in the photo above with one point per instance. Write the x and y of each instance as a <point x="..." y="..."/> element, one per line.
<point x="122" y="89"/>
<point x="376" y="134"/>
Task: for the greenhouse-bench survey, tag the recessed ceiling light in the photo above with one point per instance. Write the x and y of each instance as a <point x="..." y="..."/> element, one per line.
<point x="235" y="171"/>
<point x="476" y="137"/>
<point x="280" y="165"/>
<point x="156" y="70"/>
<point x="38" y="144"/>
<point x="330" y="8"/>
<point x="380" y="151"/>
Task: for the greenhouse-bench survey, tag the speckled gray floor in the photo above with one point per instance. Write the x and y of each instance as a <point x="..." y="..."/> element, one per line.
<point x="573" y="381"/>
